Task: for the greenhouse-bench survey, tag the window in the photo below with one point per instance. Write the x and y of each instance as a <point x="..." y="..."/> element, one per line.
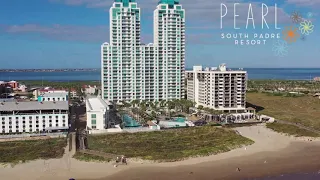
<point x="10" y="118"/>
<point x="43" y="117"/>
<point x="3" y="119"/>
<point x="57" y="121"/>
<point x="23" y="117"/>
<point x="94" y="127"/>
<point x="93" y="122"/>
<point x="48" y="99"/>
<point x="30" y="117"/>
<point x="57" y="117"/>
<point x="63" y="117"/>
<point x="50" y="117"/>
<point x="17" y="118"/>
<point x="93" y="115"/>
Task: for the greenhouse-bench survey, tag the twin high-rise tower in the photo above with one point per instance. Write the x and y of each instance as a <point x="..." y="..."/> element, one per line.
<point x="132" y="70"/>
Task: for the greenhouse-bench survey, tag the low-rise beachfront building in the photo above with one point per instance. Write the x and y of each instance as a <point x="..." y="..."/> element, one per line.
<point x="32" y="116"/>
<point x="217" y="88"/>
<point x="53" y="96"/>
<point x="101" y="114"/>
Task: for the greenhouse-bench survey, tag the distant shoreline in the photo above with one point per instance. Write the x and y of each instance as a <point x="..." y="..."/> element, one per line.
<point x="98" y="69"/>
<point x="49" y="70"/>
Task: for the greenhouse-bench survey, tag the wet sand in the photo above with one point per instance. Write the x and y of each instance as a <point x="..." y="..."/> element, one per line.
<point x="271" y="154"/>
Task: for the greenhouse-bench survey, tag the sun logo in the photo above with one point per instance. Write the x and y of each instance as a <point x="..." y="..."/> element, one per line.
<point x="290" y="34"/>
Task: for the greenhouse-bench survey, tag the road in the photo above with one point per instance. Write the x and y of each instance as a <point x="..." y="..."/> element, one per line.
<point x="77" y="117"/>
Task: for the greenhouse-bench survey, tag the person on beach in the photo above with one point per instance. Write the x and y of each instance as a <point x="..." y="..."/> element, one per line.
<point x="118" y="159"/>
<point x="238" y="169"/>
<point x="124" y="160"/>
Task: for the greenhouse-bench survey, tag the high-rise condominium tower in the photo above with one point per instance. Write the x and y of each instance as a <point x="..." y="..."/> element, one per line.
<point x="131" y="70"/>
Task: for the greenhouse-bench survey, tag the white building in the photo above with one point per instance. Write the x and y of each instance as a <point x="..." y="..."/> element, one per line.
<point x="96" y="113"/>
<point x="90" y="89"/>
<point x="53" y="96"/>
<point x="131" y="70"/>
<point x="31" y="116"/>
<point x="217" y="88"/>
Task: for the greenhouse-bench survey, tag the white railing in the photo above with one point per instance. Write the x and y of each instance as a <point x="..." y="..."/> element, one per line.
<point x="60" y="134"/>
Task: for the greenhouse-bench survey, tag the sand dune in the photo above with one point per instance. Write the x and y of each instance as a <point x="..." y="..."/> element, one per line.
<point x="268" y="147"/>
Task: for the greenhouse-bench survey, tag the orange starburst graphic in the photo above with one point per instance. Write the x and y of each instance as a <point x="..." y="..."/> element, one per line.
<point x="290" y="34"/>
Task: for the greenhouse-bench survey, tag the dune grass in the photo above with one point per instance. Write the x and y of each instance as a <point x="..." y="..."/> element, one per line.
<point x="291" y="130"/>
<point x="304" y="110"/>
<point x="169" y="145"/>
<point x="23" y="151"/>
<point x="90" y="158"/>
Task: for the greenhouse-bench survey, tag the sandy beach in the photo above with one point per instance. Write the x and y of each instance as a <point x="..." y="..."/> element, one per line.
<point x="271" y="154"/>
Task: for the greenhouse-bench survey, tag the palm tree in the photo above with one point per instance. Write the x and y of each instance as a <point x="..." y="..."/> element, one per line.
<point x="134" y="102"/>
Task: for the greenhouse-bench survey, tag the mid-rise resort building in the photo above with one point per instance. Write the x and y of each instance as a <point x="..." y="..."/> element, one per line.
<point x="133" y="70"/>
<point x="217" y="88"/>
<point x="32" y="116"/>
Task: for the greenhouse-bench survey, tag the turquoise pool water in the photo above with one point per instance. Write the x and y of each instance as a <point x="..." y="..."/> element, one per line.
<point x="129" y="121"/>
<point x="180" y="119"/>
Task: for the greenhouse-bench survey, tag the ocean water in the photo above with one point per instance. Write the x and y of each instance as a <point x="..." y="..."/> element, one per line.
<point x="253" y="73"/>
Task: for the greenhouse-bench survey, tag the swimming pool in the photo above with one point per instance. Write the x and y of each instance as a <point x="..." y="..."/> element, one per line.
<point x="180" y="119"/>
<point x="129" y="121"/>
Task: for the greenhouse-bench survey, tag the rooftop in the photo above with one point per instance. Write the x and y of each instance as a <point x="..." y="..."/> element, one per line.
<point x="170" y="2"/>
<point x="33" y="105"/>
<point x="221" y="68"/>
<point x="96" y="104"/>
<point x="55" y="94"/>
<point x="125" y="2"/>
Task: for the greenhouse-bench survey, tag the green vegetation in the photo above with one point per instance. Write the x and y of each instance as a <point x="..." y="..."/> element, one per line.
<point x="90" y="158"/>
<point x="169" y="145"/>
<point x="291" y="130"/>
<point x="286" y="85"/>
<point x="23" y="151"/>
<point x="55" y="84"/>
<point x="149" y="110"/>
<point x="284" y="94"/>
<point x="304" y="110"/>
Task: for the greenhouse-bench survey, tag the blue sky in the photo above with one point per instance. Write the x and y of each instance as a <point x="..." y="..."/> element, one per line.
<point x="68" y="33"/>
